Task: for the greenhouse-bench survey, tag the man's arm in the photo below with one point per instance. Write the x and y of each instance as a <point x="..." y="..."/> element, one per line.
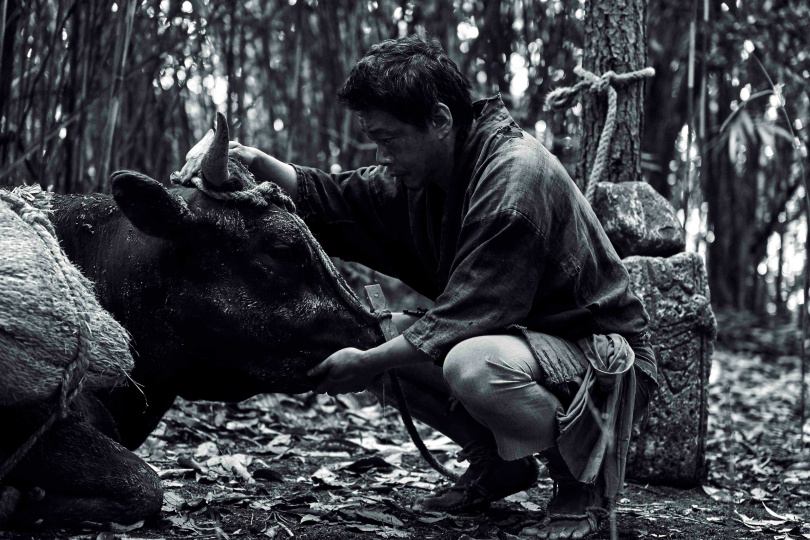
<point x="352" y="370"/>
<point x="266" y="168"/>
<point x="351" y="218"/>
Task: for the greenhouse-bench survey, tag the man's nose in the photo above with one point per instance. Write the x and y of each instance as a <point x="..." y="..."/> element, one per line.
<point x="383" y="157"/>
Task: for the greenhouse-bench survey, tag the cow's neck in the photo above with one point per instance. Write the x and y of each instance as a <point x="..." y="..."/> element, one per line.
<point x="98" y="239"/>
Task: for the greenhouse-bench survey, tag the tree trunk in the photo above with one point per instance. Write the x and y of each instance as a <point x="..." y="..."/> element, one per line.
<point x="296" y="105"/>
<point x="10" y="21"/>
<point x="615" y="39"/>
<point x="662" y="115"/>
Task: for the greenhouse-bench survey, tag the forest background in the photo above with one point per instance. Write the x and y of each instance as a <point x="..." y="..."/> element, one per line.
<point x="91" y="86"/>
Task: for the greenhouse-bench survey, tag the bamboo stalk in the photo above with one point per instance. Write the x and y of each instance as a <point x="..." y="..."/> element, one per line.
<point x="36" y="147"/>
<point x="296" y="105"/>
<point x="230" y="38"/>
<point x="115" y="98"/>
<point x="80" y="128"/>
<point x="690" y="85"/>
<point x="803" y="393"/>
<point x="704" y="70"/>
<point x="3" y="12"/>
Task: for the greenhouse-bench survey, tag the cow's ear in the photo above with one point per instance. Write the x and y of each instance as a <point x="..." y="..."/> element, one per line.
<point x="149" y="205"/>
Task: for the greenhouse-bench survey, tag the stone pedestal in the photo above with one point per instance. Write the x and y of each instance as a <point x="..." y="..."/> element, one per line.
<point x="669" y="446"/>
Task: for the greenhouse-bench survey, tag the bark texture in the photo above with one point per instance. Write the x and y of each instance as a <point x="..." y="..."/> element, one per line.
<point x="615" y="40"/>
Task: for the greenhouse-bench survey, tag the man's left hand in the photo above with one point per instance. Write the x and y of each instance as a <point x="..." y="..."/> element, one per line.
<point x="343" y="372"/>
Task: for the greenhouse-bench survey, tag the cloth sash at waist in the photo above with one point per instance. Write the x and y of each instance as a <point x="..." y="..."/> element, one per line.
<point x="595" y="430"/>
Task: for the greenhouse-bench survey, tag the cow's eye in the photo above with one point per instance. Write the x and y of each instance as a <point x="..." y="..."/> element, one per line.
<point x="282" y="251"/>
<point x="277" y="256"/>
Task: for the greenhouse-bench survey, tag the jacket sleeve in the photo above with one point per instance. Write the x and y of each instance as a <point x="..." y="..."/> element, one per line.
<point x="353" y="214"/>
<point x="495" y="277"/>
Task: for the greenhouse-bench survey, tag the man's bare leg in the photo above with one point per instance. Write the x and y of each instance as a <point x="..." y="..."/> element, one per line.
<point x="496" y="377"/>
<point x="430" y="400"/>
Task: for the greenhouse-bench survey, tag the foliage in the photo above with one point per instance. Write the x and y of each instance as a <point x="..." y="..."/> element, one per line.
<point x="744" y="191"/>
<point x="90" y="86"/>
<point x="274" y="67"/>
<point x="318" y="467"/>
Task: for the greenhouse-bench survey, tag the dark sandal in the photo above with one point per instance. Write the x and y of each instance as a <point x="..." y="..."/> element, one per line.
<point x="468" y="495"/>
<point x="594" y="515"/>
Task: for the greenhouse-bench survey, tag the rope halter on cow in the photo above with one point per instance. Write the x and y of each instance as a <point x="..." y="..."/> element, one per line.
<point x="564" y="97"/>
<point x="228" y="180"/>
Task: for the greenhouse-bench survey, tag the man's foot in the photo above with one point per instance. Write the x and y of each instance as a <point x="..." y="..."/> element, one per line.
<point x="574" y="512"/>
<point x="484" y="481"/>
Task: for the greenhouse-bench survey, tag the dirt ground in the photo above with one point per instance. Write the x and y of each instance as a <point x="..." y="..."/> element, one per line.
<point x="314" y="467"/>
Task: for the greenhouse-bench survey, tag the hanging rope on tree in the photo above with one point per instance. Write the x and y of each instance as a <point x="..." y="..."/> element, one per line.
<point x="563" y="98"/>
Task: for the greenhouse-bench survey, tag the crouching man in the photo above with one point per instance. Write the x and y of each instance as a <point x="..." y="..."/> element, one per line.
<point x="535" y="344"/>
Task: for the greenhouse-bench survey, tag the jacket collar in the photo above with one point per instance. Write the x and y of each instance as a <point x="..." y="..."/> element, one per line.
<point x="490" y="117"/>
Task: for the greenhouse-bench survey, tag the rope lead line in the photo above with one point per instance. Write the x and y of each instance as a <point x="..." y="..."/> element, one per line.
<point x="407" y="419"/>
<point x="561" y="98"/>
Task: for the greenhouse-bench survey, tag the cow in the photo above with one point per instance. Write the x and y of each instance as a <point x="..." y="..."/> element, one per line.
<point x="225" y="296"/>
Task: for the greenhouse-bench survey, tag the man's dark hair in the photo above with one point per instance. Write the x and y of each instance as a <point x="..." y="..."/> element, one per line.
<point x="407" y="77"/>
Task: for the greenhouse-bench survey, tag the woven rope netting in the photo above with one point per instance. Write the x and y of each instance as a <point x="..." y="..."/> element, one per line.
<point x="55" y="338"/>
<point x="50" y="319"/>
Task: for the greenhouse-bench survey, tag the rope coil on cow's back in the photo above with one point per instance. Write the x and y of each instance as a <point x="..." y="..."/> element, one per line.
<point x="563" y="97"/>
<point x="74" y="374"/>
<point x="269" y="193"/>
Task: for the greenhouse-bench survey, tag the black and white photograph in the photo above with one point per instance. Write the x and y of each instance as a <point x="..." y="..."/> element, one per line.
<point x="419" y="270"/>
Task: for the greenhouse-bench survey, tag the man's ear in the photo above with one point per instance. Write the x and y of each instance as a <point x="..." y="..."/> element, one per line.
<point x="149" y="205"/>
<point x="442" y="119"/>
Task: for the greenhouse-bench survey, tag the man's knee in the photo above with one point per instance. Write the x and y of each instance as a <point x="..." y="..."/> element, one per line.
<point x="471" y="366"/>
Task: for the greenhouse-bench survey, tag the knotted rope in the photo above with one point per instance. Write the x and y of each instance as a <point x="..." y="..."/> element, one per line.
<point x="263" y="195"/>
<point x="383" y="314"/>
<point x="74" y="374"/>
<point x="607" y="83"/>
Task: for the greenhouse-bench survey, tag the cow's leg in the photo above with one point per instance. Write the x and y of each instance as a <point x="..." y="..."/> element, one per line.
<point x="137" y="411"/>
<point x="85" y="476"/>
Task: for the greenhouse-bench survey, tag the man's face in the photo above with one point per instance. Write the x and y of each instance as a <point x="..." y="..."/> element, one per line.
<point x="413" y="156"/>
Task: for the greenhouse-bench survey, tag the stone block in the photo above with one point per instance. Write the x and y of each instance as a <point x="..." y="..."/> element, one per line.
<point x="638" y="220"/>
<point x="669" y="445"/>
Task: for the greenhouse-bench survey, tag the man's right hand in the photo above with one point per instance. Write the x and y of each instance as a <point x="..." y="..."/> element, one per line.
<point x="261" y="165"/>
<point x="245" y="154"/>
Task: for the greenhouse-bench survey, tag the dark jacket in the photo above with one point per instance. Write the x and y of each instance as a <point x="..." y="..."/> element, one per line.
<point x="513" y="242"/>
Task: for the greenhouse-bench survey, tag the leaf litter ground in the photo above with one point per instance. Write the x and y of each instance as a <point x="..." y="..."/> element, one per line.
<point x="315" y="467"/>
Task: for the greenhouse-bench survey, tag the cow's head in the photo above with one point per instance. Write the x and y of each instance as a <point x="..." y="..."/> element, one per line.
<point x="246" y="288"/>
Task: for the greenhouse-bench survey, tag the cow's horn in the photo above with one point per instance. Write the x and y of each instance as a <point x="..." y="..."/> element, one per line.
<point x="215" y="162"/>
